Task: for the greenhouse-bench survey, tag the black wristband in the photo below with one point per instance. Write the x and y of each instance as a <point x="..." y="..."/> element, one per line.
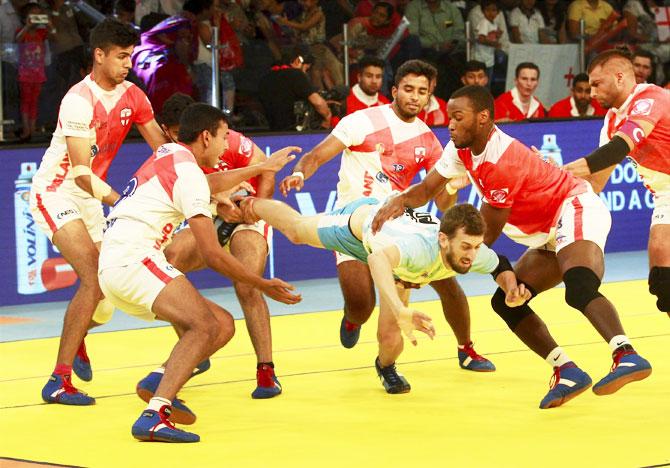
<point x="607" y="155"/>
<point x="503" y="265"/>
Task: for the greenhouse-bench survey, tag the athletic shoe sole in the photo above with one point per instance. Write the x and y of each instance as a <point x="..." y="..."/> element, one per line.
<point x="616" y="384"/>
<point x="178" y="415"/>
<point x="563" y="400"/>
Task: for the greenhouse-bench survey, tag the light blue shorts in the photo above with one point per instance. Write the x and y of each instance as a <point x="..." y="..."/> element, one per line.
<point x="335" y="233"/>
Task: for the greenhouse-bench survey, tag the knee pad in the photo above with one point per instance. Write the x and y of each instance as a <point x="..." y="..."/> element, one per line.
<point x="659" y="286"/>
<point x="511" y="315"/>
<point x="581" y="287"/>
<point x="103" y="312"/>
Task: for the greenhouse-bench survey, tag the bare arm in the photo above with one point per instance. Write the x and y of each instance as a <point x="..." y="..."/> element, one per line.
<point x="79" y="152"/>
<point x="309" y="23"/>
<point x="266" y="180"/>
<point x="495" y="219"/>
<point x="321" y="107"/>
<point x="573" y="30"/>
<point x="153" y="134"/>
<point x="310" y="163"/>
<point x="224" y="263"/>
<point x="515" y="35"/>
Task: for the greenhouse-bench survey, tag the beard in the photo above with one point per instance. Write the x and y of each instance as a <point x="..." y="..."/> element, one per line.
<point x="455" y="264"/>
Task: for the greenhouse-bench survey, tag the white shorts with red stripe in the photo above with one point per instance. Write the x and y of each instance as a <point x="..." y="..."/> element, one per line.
<point x="260" y="226"/>
<point x="52" y="210"/>
<point x="661" y="214"/>
<point x="133" y="288"/>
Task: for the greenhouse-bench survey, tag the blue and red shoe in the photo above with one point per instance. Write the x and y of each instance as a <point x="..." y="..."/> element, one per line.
<point x="628" y="367"/>
<point x="267" y="384"/>
<point x="155" y="426"/>
<point x="146" y="388"/>
<point x="59" y="389"/>
<point x="468" y="359"/>
<point x="81" y="366"/>
<point x="567" y="382"/>
<point x="349" y="333"/>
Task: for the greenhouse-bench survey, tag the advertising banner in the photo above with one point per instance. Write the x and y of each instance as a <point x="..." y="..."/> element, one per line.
<point x="32" y="270"/>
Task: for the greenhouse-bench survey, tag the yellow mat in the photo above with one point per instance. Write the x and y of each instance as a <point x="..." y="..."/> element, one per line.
<point x="334" y="412"/>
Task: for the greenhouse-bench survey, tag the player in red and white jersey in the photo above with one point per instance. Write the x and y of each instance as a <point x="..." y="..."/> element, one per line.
<point x="637" y="125"/>
<point x="135" y="275"/>
<point x="557" y="215"/>
<point x="67" y="191"/>
<point x="249" y="243"/>
<point x="383" y="148"/>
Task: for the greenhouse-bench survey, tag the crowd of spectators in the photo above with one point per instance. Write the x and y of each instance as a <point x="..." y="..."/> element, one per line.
<point x="274" y="54"/>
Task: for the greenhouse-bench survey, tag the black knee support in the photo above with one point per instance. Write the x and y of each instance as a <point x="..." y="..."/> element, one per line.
<point x="659" y="286"/>
<point x="581" y="287"/>
<point x="511" y="315"/>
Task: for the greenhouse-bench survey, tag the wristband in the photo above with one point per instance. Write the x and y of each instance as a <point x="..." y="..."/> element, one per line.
<point x="298" y="174"/>
<point x="503" y="265"/>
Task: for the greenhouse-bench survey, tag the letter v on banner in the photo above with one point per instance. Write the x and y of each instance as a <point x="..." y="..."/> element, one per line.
<point x="306" y="204"/>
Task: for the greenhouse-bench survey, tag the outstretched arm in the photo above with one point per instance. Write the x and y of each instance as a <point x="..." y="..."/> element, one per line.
<point x="310" y="163"/>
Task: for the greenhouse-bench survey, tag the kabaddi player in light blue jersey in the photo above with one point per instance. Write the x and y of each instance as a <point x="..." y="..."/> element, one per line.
<point x="408" y="252"/>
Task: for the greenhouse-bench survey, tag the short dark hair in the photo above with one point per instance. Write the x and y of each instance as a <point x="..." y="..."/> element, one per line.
<point x="480" y="97"/>
<point x="111" y="32"/>
<point x="486" y="3"/>
<point x="463" y="216"/>
<point x="173" y="107"/>
<point x="370" y="61"/>
<point x="579" y="78"/>
<point x="25" y="9"/>
<point x="473" y="66"/>
<point x="602" y="58"/>
<point x="197" y="6"/>
<point x="289" y="54"/>
<point x="645" y="54"/>
<point x="127" y="6"/>
<point x="197" y="118"/>
<point x="415" y="67"/>
<point x="524" y="65"/>
<point x="386" y="6"/>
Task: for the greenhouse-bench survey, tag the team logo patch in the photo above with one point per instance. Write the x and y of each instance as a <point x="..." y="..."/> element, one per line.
<point x="499" y="195"/>
<point x="398" y="167"/>
<point x="419" y="154"/>
<point x="125" y="114"/>
<point x="642" y="107"/>
<point x="381" y="177"/>
<point x="246" y="147"/>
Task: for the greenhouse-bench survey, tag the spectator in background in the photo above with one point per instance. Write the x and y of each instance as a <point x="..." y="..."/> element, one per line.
<point x="31" y="39"/>
<point x="643" y="29"/>
<point x="435" y="111"/>
<point x="202" y="67"/>
<point x="441" y="30"/>
<point x="474" y="73"/>
<point x="311" y="27"/>
<point x="519" y="103"/>
<point x="599" y="22"/>
<point x="364" y="7"/>
<point x="266" y="17"/>
<point x="337" y="13"/>
<point x="366" y="93"/>
<point x="476" y="15"/>
<point x="287" y="84"/>
<point x="488" y="36"/>
<point x="124" y="11"/>
<point x="579" y="103"/>
<point x="644" y="66"/>
<point x="527" y="24"/>
<point x="10" y="22"/>
<point x="554" y="13"/>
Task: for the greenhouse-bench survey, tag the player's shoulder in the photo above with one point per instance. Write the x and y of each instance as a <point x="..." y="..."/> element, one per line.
<point x="644" y="100"/>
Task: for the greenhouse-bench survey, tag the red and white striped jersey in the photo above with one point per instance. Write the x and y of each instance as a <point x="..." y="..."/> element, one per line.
<point x="509" y="175"/>
<point x="104" y="118"/>
<point x="646" y="102"/>
<point x="169" y="188"/>
<point x="383" y="153"/>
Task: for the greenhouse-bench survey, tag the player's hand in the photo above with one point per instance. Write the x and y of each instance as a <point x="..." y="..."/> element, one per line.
<point x="280" y="291"/>
<point x="393" y="207"/>
<point x="230" y="213"/>
<point x="246" y="207"/>
<point x="291" y="182"/>
<point x="517" y="296"/>
<point x="539" y="154"/>
<point x="280" y="158"/>
<point x="410" y="320"/>
<point x="578" y="168"/>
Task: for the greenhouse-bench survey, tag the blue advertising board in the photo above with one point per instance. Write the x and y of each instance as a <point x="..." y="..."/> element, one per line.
<point x="31" y="270"/>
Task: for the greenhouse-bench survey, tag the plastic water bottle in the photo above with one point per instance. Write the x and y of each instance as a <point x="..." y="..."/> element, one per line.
<point x="31" y="242"/>
<point x="550" y="149"/>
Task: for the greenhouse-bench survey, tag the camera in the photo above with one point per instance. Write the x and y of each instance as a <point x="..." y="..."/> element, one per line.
<point x="39" y="19"/>
<point x="306" y="116"/>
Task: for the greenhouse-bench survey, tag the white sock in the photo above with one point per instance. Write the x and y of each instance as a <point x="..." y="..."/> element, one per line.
<point x="618" y="341"/>
<point x="156" y="403"/>
<point x="557" y="357"/>
<point x="160" y="370"/>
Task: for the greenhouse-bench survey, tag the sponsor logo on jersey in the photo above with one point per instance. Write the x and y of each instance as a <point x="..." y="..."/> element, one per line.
<point x="94" y="150"/>
<point x="125" y="114"/>
<point x="642" y="107"/>
<point x="419" y="154"/>
<point x="499" y="195"/>
<point x="398" y="167"/>
<point x="63" y="214"/>
<point x="381" y="177"/>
